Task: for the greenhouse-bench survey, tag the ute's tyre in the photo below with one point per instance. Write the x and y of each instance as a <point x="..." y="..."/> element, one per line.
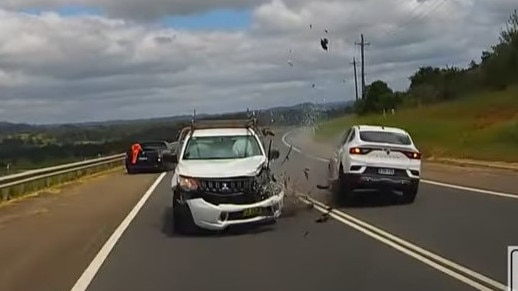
<point x="183" y="223"/>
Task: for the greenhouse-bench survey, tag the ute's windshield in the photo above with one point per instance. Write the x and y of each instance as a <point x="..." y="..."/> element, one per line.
<point x="385" y="137"/>
<point x="221" y="147"/>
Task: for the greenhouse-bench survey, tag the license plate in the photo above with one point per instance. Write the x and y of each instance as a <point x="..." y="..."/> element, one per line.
<point x="386" y="171"/>
<point x="252" y="212"/>
<point x="142" y="158"/>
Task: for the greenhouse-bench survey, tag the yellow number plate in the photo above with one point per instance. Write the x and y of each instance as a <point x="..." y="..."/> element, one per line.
<point x="252" y="212"/>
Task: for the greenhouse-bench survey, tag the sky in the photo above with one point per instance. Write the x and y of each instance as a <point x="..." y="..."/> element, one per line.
<point x="92" y="60"/>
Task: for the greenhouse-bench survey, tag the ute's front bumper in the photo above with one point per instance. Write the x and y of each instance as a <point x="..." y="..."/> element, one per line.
<point x="219" y="217"/>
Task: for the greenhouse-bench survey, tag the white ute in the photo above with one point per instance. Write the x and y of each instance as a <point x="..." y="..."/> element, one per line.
<point x="223" y="178"/>
<point x="375" y="158"/>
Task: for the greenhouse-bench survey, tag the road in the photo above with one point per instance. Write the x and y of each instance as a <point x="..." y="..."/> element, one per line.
<point x="46" y="241"/>
<point x="377" y="244"/>
<point x="471" y="229"/>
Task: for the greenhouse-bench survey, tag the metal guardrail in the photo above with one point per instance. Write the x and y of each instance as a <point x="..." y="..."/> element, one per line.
<point x="17" y="185"/>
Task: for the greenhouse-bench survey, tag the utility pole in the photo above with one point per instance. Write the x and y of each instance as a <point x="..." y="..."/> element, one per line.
<point x="362" y="45"/>
<point x="355" y="78"/>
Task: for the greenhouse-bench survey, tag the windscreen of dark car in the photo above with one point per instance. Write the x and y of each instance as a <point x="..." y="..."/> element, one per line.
<point x="150" y="146"/>
<point x="385" y="137"/>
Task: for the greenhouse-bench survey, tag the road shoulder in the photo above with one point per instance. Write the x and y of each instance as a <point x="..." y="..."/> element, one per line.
<point x="52" y="237"/>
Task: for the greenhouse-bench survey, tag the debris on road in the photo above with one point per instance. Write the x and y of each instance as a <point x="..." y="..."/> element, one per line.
<point x="306" y="173"/>
<point x="323" y="187"/>
<point x="325" y="216"/>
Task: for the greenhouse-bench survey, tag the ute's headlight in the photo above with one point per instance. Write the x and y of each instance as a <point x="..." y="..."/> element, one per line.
<point x="187" y="183"/>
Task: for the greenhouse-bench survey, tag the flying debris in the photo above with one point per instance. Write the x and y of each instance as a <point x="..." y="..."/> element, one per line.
<point x="326" y="31"/>
<point x="310" y="26"/>
<point x="324" y="42"/>
<point x="290" y="62"/>
<point x="287" y="158"/>
<point x="313" y="86"/>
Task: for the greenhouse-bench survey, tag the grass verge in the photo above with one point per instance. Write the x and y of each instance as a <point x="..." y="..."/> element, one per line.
<point x="21" y="190"/>
<point x="480" y="127"/>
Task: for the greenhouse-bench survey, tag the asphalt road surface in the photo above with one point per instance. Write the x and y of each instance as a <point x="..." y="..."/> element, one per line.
<point x="342" y="253"/>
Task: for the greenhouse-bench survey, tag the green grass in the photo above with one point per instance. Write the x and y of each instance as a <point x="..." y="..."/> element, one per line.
<point x="484" y="126"/>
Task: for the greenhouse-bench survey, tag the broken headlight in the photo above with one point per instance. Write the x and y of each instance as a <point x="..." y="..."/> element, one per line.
<point x="187" y="183"/>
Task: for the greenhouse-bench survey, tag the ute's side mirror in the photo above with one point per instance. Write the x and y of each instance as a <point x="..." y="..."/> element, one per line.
<point x="274" y="154"/>
<point x="171" y="157"/>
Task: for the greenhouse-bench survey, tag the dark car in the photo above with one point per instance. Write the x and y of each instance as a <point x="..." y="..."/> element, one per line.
<point x="149" y="156"/>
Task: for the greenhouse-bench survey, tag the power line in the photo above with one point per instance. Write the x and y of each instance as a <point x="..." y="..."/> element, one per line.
<point x="362" y="45"/>
<point x="421" y="15"/>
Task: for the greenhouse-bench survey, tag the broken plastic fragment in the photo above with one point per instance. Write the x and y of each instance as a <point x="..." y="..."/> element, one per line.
<point x="322" y="218"/>
<point x="324" y="42"/>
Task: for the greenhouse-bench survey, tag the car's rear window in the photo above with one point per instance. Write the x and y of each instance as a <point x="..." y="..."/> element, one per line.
<point x="385" y="137"/>
<point x="153" y="145"/>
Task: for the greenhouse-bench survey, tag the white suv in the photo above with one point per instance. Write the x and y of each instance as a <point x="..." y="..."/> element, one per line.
<point x="375" y="157"/>
<point x="223" y="178"/>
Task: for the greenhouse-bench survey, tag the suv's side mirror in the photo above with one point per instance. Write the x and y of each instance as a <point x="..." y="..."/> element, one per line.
<point x="274" y="154"/>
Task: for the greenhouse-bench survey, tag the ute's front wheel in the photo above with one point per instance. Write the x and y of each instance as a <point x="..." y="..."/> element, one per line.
<point x="183" y="223"/>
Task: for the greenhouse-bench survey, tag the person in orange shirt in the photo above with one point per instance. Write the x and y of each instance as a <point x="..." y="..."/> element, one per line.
<point x="135" y="149"/>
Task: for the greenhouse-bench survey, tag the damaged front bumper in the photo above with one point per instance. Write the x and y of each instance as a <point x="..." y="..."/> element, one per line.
<point x="218" y="217"/>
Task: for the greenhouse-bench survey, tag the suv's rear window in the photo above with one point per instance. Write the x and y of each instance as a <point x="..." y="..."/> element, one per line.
<point x="385" y="137"/>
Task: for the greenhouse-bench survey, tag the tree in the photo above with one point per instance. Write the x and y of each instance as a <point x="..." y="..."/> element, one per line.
<point x="378" y="96"/>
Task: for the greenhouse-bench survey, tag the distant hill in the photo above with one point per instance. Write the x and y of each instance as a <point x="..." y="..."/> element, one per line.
<point x="7" y="127"/>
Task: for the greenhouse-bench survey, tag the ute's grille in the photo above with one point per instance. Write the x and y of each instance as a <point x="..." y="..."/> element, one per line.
<point x="397" y="172"/>
<point x="226" y="186"/>
<point x="230" y="191"/>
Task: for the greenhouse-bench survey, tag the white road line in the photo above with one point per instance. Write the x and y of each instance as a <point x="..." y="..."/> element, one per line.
<point x="86" y="278"/>
<point x="440" y="184"/>
<point x="406" y="244"/>
<point x="390" y="241"/>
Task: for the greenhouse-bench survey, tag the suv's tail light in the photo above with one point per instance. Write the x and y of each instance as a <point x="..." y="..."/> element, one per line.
<point x="359" y="151"/>
<point x="413" y="155"/>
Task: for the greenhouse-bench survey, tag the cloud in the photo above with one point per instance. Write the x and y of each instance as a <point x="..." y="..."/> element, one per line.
<point x="56" y="68"/>
<point x="137" y="9"/>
